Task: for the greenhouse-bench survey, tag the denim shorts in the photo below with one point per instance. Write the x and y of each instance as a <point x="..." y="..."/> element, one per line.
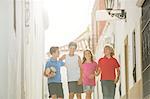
<point x="88" y="88"/>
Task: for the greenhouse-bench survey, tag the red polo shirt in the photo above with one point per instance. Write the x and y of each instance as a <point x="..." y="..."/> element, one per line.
<point x="108" y="66"/>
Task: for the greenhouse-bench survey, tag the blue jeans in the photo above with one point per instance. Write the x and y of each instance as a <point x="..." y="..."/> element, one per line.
<point x="108" y="89"/>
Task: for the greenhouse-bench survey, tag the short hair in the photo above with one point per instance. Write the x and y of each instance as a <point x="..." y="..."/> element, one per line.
<point x="72" y="44"/>
<point x="53" y="50"/>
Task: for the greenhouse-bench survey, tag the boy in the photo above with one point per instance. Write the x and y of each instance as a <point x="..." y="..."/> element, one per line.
<point x="74" y="71"/>
<point x="110" y="72"/>
<point x="52" y="72"/>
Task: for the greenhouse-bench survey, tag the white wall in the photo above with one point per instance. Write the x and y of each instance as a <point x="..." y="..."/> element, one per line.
<point x="34" y="53"/>
<point x="133" y="23"/>
<point x="22" y="52"/>
<point x="4" y="24"/>
<point x="121" y="29"/>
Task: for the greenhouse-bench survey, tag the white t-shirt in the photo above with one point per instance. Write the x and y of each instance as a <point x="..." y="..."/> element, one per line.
<point x="73" y="68"/>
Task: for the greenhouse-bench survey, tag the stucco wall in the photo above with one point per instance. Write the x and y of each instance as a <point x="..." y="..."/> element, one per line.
<point x="4" y="24"/>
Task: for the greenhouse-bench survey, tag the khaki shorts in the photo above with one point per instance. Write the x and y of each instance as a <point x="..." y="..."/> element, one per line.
<point x="55" y="89"/>
<point x="74" y="87"/>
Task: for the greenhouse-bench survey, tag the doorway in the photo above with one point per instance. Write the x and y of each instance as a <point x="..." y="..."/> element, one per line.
<point x="126" y="66"/>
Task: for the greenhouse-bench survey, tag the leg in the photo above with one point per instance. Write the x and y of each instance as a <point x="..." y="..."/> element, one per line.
<point x="60" y="98"/>
<point x="59" y="91"/>
<point x="54" y="97"/>
<point x="71" y="88"/>
<point x="105" y="89"/>
<point x="88" y="94"/>
<point x="108" y="89"/>
<point x="71" y="95"/>
<point x="79" y="90"/>
<point x="49" y="91"/>
<point x="78" y="95"/>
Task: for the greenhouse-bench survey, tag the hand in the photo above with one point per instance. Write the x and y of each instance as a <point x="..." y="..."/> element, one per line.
<point x="96" y="73"/>
<point x="80" y="81"/>
<point x="47" y="72"/>
<point x="51" y="74"/>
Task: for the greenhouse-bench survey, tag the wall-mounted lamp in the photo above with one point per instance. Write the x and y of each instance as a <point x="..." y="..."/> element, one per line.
<point x="119" y="13"/>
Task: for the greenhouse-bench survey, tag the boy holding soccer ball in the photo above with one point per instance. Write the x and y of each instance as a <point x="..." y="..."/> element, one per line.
<point x="52" y="72"/>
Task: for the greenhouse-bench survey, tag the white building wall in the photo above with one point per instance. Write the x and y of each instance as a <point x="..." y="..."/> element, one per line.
<point x="14" y="52"/>
<point x="4" y="24"/>
<point x="121" y="29"/>
<point x="34" y="53"/>
<point x="119" y="50"/>
<point x="22" y="51"/>
<point x="132" y="24"/>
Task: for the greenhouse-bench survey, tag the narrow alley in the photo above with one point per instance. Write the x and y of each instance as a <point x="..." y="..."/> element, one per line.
<point x="26" y="34"/>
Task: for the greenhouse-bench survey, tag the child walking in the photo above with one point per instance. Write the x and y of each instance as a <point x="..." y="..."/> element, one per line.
<point x="90" y="70"/>
<point x="52" y="72"/>
<point x="74" y="72"/>
<point x="110" y="72"/>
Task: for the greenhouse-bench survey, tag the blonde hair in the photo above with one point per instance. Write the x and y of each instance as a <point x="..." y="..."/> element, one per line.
<point x="112" y="53"/>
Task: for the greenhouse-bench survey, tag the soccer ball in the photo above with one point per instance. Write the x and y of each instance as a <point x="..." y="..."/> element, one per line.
<point x="53" y="69"/>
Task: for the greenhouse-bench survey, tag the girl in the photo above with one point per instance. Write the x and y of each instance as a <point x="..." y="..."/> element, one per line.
<point x="89" y="67"/>
<point x="110" y="73"/>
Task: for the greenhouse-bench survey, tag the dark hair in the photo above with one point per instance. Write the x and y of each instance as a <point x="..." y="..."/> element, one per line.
<point x="84" y="59"/>
<point x="53" y="50"/>
<point x="72" y="44"/>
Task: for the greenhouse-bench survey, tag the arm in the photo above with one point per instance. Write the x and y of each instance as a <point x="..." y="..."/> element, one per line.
<point x="117" y="74"/>
<point x="117" y="71"/>
<point x="98" y="68"/>
<point x="97" y="72"/>
<point x="47" y="71"/>
<point x="81" y="71"/>
<point x="62" y="57"/>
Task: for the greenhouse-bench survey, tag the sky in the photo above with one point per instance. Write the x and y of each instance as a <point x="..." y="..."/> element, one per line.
<point x="67" y="20"/>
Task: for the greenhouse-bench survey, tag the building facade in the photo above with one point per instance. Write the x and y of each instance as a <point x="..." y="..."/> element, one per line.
<point x="22" y="49"/>
<point x="96" y="26"/>
<point x="145" y="36"/>
<point x="130" y="39"/>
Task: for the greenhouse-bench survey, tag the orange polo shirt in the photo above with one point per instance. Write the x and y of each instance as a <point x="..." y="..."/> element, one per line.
<point x="108" y="66"/>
